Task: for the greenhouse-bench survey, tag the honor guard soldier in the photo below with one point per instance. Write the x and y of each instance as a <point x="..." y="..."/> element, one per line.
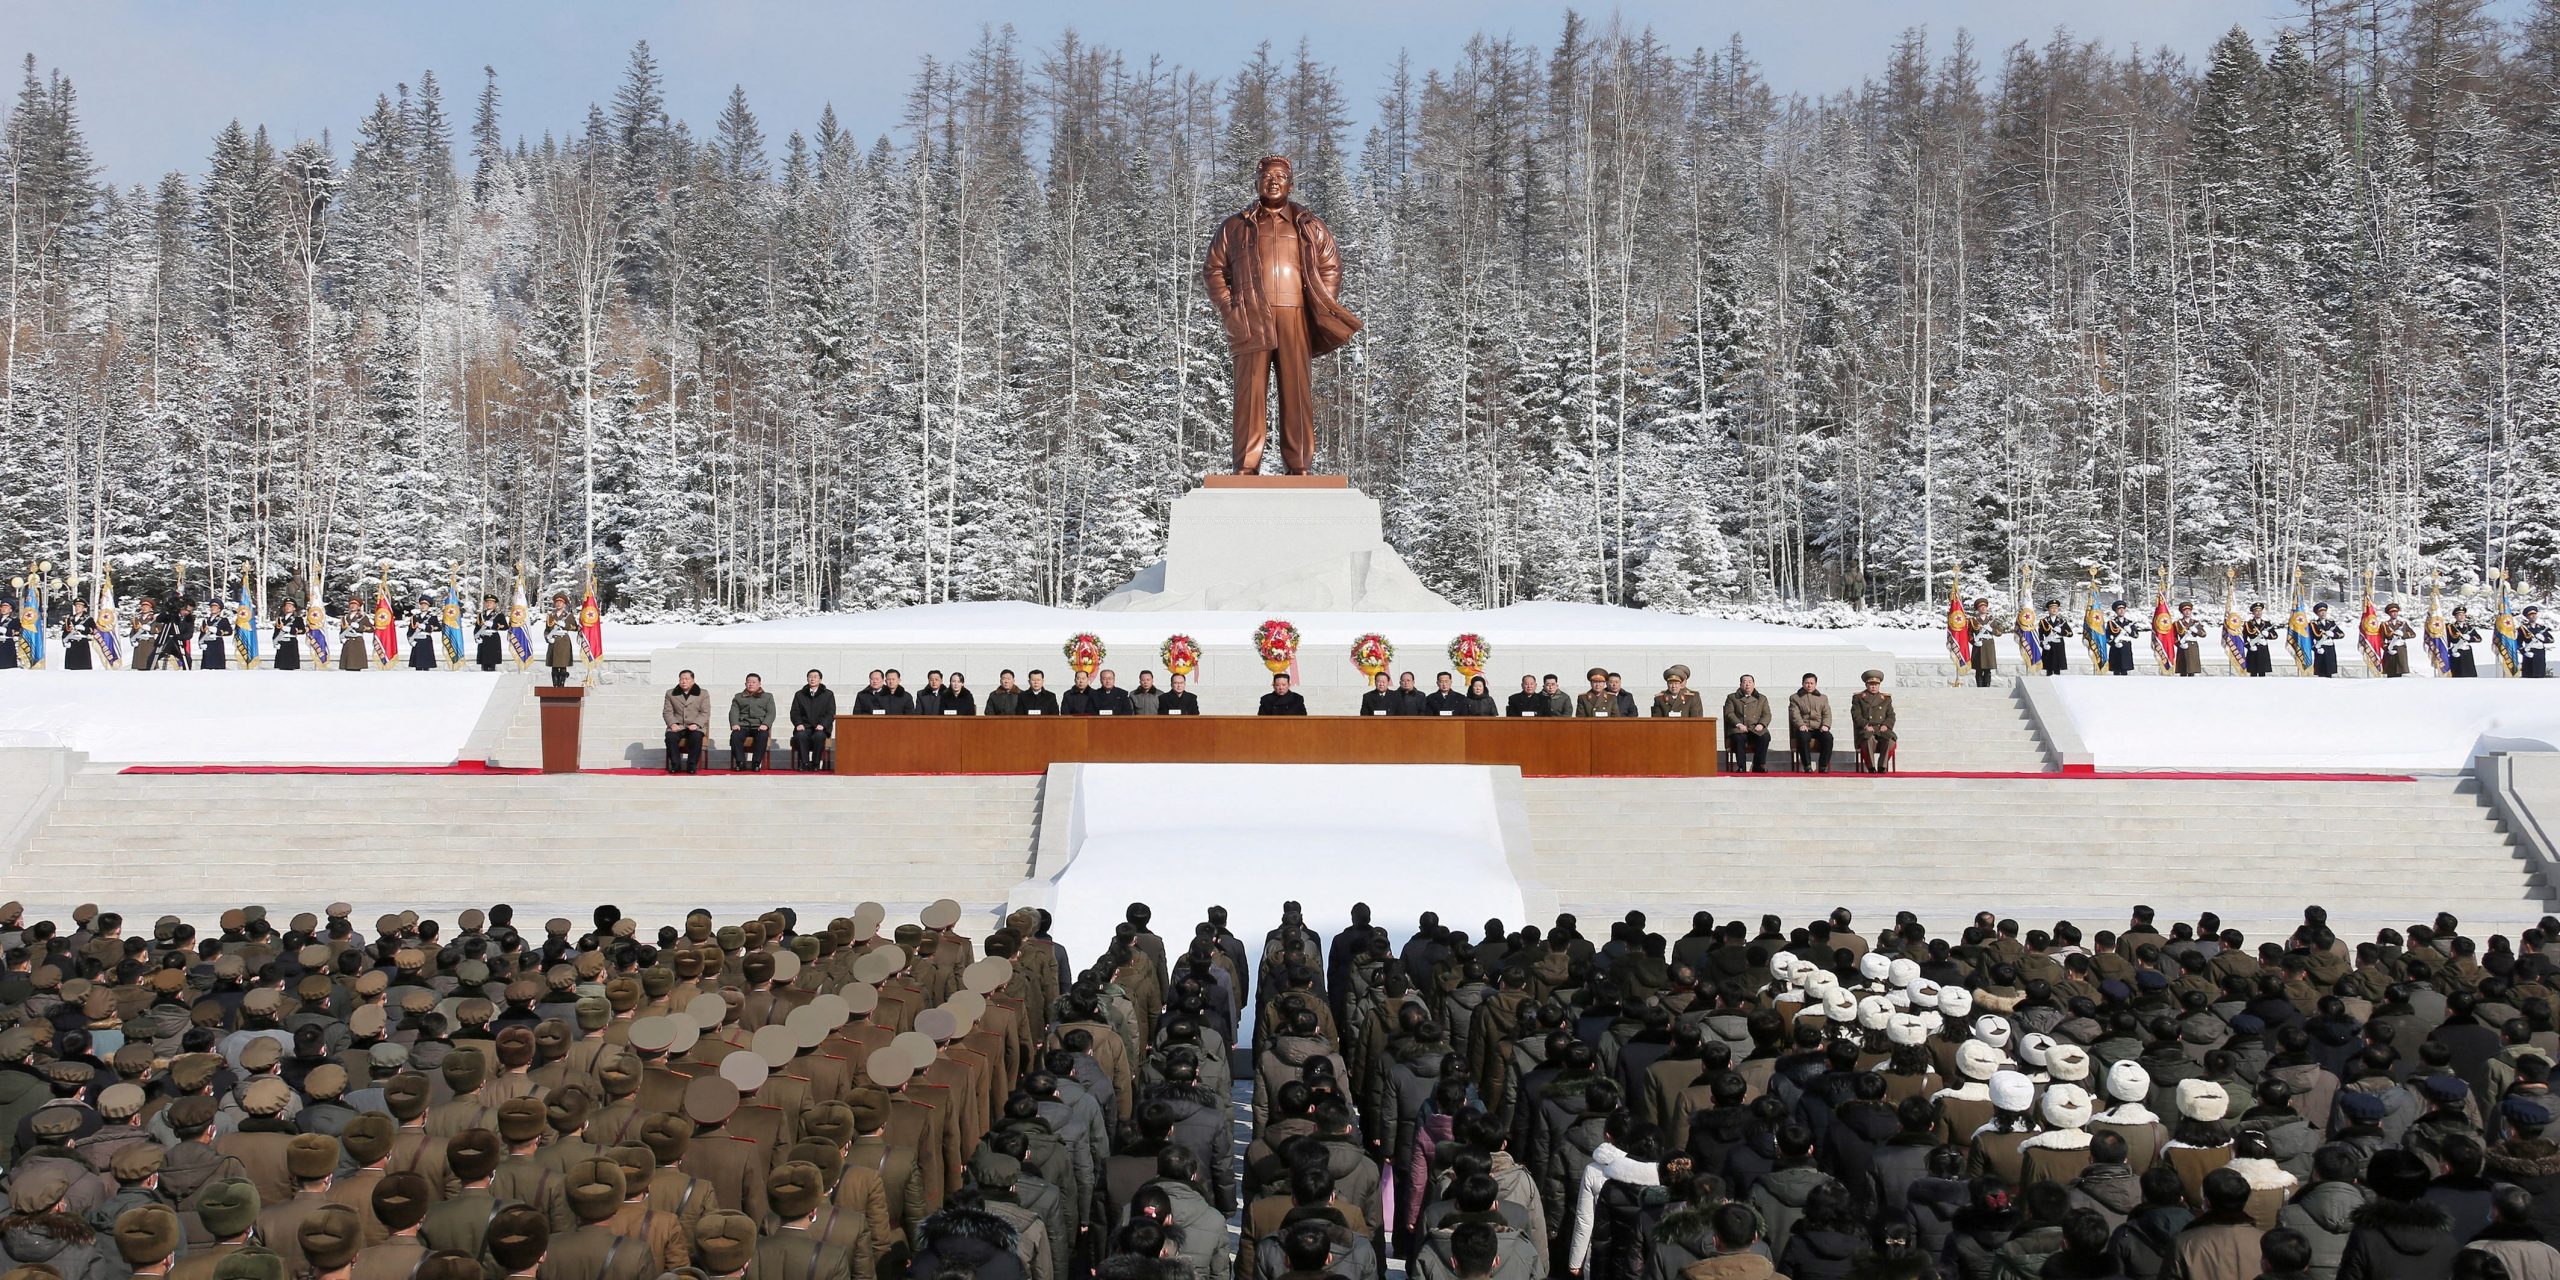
<point x="1677" y="700"/>
<point x="488" y="630"/>
<point x="422" y="629"/>
<point x="2326" y="632"/>
<point x="2462" y="645"/>
<point x="213" y="646"/>
<point x="288" y="638"/>
<point x="2396" y="635"/>
<point x="2534" y="637"/>
<point x="1871" y="720"/>
<point x="2123" y="629"/>
<point x="1986" y="643"/>
<point x="2258" y="636"/>
<point x="2052" y="630"/>
<point x="560" y="639"/>
<point x="79" y="636"/>
<point x="2189" y="630"/>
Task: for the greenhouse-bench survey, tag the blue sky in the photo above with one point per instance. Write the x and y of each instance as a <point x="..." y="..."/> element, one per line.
<point x="158" y="78"/>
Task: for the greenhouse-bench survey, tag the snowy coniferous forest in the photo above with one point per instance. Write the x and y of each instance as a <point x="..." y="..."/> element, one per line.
<point x="1640" y="329"/>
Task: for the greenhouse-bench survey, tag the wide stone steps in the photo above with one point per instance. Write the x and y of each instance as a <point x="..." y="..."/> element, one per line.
<point x="1959" y="730"/>
<point x="2255" y="850"/>
<point x="195" y="844"/>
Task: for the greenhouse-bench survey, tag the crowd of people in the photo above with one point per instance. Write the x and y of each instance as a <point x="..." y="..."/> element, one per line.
<point x="752" y="712"/>
<point x="775" y="1099"/>
<point x="178" y="638"/>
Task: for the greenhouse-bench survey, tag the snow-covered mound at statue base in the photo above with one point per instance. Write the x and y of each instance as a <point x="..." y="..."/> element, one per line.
<point x="1361" y="582"/>
<point x="1308" y="550"/>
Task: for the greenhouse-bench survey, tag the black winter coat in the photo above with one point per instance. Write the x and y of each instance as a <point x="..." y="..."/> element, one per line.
<point x="2400" y="1240"/>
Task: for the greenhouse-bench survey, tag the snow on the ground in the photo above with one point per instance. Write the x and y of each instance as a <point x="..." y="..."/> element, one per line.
<point x="245" y="717"/>
<point x="1404" y="839"/>
<point x="637" y="639"/>
<point x="2224" y="722"/>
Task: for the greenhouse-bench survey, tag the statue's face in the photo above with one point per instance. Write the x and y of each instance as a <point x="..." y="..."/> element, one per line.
<point x="1273" y="183"/>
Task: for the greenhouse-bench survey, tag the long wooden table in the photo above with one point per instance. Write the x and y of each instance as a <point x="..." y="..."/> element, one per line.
<point x="1030" y="744"/>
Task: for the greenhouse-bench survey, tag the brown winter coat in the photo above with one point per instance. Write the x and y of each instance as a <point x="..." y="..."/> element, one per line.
<point x="1234" y="277"/>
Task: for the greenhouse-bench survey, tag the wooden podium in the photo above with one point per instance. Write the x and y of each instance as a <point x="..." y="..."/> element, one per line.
<point x="1565" y="748"/>
<point x="562" y="709"/>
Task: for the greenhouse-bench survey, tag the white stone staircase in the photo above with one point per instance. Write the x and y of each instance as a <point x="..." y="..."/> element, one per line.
<point x="656" y="846"/>
<point x="2371" y="852"/>
<point x="1955" y="730"/>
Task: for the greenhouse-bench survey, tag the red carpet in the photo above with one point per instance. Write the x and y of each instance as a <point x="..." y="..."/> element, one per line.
<point x="472" y="769"/>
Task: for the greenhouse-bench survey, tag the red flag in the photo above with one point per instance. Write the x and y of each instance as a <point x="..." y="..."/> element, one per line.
<point x="1959" y="624"/>
<point x="386" y="634"/>
<point x="590" y="622"/>
<point x="2164" y="635"/>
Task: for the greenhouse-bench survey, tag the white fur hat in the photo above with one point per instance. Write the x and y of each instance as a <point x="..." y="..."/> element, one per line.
<point x="1873" y="966"/>
<point x="1924" y="993"/>
<point x="2032" y="1047"/>
<point x="1842" y="1006"/>
<point x="1820" y="986"/>
<point x="1955" y="1002"/>
<point x="1993" y="1030"/>
<point x="2012" y="1091"/>
<point x="1782" y="966"/>
<point x="1802" y="972"/>
<point x="1906" y="1030"/>
<point x="1898" y="998"/>
<point x="1874" y="1012"/>
<point x="1929" y="1018"/>
<point x="2067" y="1063"/>
<point x="2128" y="1081"/>
<point x="2066" y="1106"/>
<point x="1977" y="1060"/>
<point x="2203" y="1100"/>
<point x="1902" y="973"/>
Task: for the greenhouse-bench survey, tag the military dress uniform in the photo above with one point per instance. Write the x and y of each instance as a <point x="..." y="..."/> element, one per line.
<point x="2396" y="635"/>
<point x="559" y="645"/>
<point x="1871" y="719"/>
<point x="2326" y="634"/>
<point x="2053" y="631"/>
<point x="214" y="647"/>
<point x="491" y="630"/>
<point x="422" y="638"/>
<point x="2534" y="636"/>
<point x="288" y="641"/>
<point x="2462" y="647"/>
<point x="1986" y="646"/>
<point x="2122" y="631"/>
<point x="2190" y="631"/>
<point x="2258" y="636"/>
<point x="79" y="636"/>
<point x="1685" y="704"/>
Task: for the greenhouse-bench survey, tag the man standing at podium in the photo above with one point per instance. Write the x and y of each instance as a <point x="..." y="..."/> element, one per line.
<point x="1274" y="274"/>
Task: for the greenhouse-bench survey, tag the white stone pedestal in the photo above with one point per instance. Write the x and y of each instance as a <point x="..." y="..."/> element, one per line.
<point x="1277" y="550"/>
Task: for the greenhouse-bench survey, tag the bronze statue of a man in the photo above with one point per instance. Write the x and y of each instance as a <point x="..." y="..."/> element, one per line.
<point x="1275" y="275"/>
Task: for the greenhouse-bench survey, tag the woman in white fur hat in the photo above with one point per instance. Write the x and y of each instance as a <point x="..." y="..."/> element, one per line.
<point x="2060" y="1152"/>
<point x="1996" y="1147"/>
<point x="2201" y="1142"/>
<point x="2128" y="1086"/>
<point x="1908" y="1070"/>
<point x="1966" y="1106"/>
